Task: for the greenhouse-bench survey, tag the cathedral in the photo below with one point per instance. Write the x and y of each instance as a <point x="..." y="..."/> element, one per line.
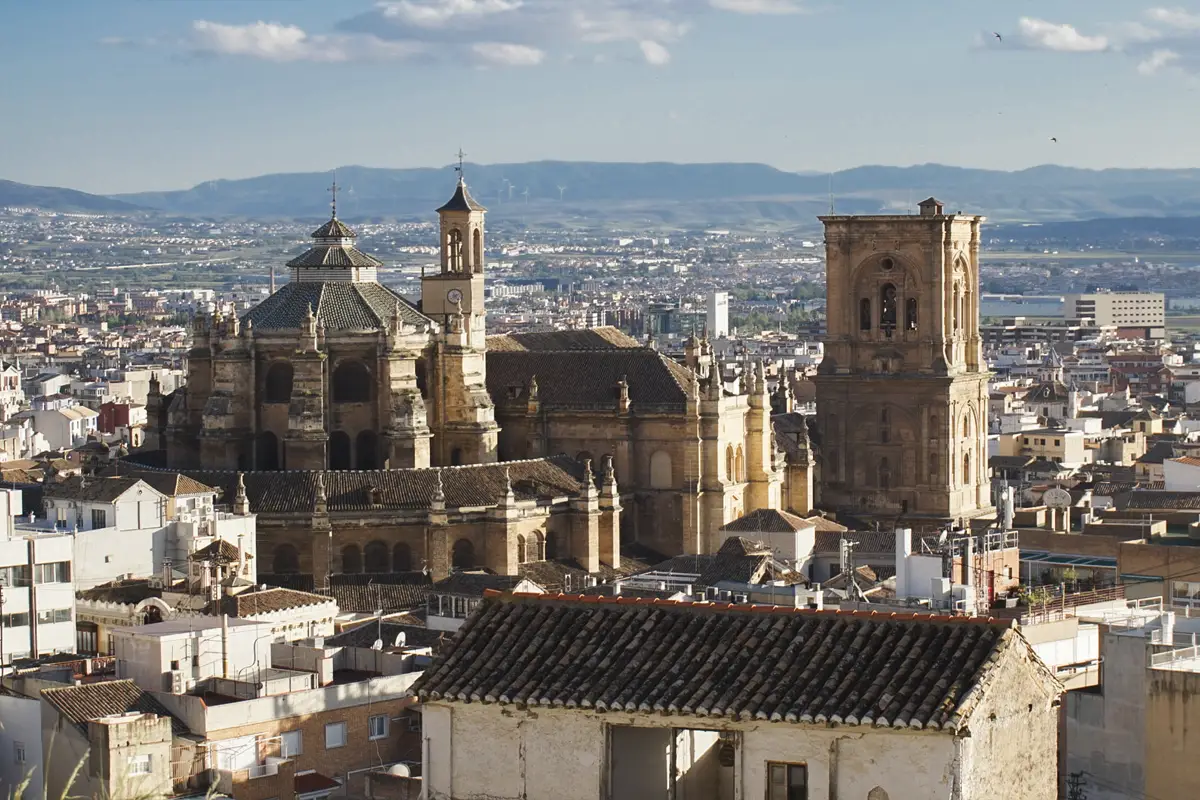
<point x="374" y="435"/>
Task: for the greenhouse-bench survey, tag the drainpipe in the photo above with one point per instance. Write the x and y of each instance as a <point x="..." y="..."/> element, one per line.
<point x="224" y="645"/>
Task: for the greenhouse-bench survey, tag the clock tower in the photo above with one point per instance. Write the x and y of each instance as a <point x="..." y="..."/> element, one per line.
<point x="464" y="420"/>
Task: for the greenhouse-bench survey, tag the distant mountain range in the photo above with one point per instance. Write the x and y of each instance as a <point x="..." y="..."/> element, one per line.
<point x="52" y="198"/>
<point x="662" y="193"/>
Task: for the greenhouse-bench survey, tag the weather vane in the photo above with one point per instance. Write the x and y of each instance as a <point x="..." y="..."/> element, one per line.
<point x="459" y="168"/>
<point x="333" y="190"/>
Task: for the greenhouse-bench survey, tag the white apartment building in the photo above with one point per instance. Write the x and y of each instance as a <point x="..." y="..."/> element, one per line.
<point x="1119" y="309"/>
<point x="718" y="315"/>
<point x="37" y="588"/>
<point x="65" y="427"/>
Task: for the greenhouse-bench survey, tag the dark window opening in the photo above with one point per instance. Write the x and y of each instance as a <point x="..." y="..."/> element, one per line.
<point x="286" y="560"/>
<point x="910" y="313"/>
<point x="401" y="558"/>
<point x="366" y="456"/>
<point x="864" y="315"/>
<point x="376" y="557"/>
<point x="278" y="385"/>
<point x="352" y="383"/>
<point x="463" y="555"/>
<point x="887" y="308"/>
<point x="266" y="452"/>
<point x="339" y="450"/>
<point x="352" y="562"/>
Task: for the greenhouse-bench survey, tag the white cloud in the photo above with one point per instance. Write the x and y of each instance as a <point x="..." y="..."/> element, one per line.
<point x="497" y="32"/>
<point x="1156" y="61"/>
<point x="508" y="55"/>
<point x="272" y="41"/>
<point x="1176" y="18"/>
<point x="1038" y="34"/>
<point x="654" y="53"/>
<point x="757" y="6"/>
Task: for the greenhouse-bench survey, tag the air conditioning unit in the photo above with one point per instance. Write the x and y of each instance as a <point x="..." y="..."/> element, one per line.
<point x="173" y="682"/>
<point x="712" y="593"/>
<point x="741" y="598"/>
<point x="589" y="581"/>
<point x="567" y="582"/>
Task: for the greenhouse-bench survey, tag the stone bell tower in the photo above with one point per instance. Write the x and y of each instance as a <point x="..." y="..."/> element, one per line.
<point x="464" y="420"/>
<point x="902" y="391"/>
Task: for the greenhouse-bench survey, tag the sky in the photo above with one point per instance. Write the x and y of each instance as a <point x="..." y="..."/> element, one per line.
<point x="134" y="95"/>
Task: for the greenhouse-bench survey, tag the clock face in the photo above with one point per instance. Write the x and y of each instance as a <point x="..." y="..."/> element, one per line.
<point x="454" y="296"/>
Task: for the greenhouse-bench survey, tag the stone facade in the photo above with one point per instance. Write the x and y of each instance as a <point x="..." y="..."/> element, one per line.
<point x="902" y="391"/>
<point x="336" y="372"/>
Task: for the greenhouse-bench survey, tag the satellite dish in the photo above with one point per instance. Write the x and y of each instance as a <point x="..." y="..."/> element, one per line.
<point x="400" y="639"/>
<point x="378" y="645"/>
<point x="943" y="537"/>
<point x="1055" y="497"/>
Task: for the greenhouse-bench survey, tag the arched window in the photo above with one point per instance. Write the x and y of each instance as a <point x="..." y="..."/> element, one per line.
<point x="454" y="250"/>
<point x="463" y="554"/>
<point x="422" y="380"/>
<point x="477" y="250"/>
<point x="910" y="313"/>
<point x="730" y="464"/>
<point x="933" y="466"/>
<point x="456" y="457"/>
<point x="887" y="307"/>
<point x="285" y="560"/>
<point x="966" y="469"/>
<point x="365" y="455"/>
<point x="885" y="474"/>
<point x="864" y="314"/>
<point x="957" y="306"/>
<point x="877" y="794"/>
<point x="660" y="470"/>
<point x="966" y="426"/>
<point x="375" y="557"/>
<point x="537" y="547"/>
<point x="885" y="426"/>
<point x="352" y="383"/>
<point x="352" y="559"/>
<point x="740" y="463"/>
<point x="401" y="558"/>
<point x="266" y="451"/>
<point x="522" y="555"/>
<point x="278" y="384"/>
<point x="339" y="450"/>
<point x="583" y="455"/>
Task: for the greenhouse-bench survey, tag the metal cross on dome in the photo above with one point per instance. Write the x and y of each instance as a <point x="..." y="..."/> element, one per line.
<point x="333" y="190"/>
<point x="461" y="155"/>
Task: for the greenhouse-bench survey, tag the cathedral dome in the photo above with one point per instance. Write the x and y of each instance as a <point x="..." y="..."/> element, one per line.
<point x="336" y="305"/>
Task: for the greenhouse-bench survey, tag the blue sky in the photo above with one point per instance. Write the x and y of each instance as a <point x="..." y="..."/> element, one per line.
<point x="161" y="94"/>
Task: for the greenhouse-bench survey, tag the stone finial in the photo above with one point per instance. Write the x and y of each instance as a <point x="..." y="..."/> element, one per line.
<point x="241" y="504"/>
<point x="439" y="492"/>
<point x="607" y="471"/>
<point x="623" y="394"/>
<point x="248" y="330"/>
<point x="510" y="497"/>
<point x="321" y="503"/>
<point x="372" y="495"/>
<point x="533" y="387"/>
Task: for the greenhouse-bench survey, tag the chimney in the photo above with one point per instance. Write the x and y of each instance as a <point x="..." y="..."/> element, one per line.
<point x="1007" y="500"/>
<point x="968" y="567"/>
<point x="241" y="557"/>
<point x="903" y="551"/>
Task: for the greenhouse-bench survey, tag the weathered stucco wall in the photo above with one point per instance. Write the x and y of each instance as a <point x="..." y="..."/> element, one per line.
<point x="1172" y="734"/>
<point x="1012" y="749"/>
<point x="488" y="752"/>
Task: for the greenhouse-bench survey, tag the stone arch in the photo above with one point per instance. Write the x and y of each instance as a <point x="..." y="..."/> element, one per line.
<point x="366" y="454"/>
<point x="884" y="474"/>
<point x="339" y="450"/>
<point x="739" y="461"/>
<point x="266" y="451"/>
<point x="456" y="457"/>
<point x="966" y="476"/>
<point x="285" y="560"/>
<point x="537" y="547"/>
<point x="402" y="560"/>
<point x="377" y="557"/>
<point x="352" y="382"/>
<point x="730" y="464"/>
<point x="584" y="455"/>
<point x="477" y="250"/>
<point x="661" y="476"/>
<point x="877" y="794"/>
<point x="522" y="550"/>
<point x="154" y="606"/>
<point x="889" y="313"/>
<point x="462" y="555"/>
<point x="277" y="386"/>
<point x="352" y="559"/>
<point x="454" y="250"/>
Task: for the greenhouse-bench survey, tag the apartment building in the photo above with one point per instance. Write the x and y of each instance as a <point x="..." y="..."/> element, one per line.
<point x="37" y="589"/>
<point x="1117" y="309"/>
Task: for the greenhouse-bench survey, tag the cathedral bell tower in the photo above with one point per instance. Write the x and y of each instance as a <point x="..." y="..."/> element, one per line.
<point x="902" y="393"/>
<point x="464" y="419"/>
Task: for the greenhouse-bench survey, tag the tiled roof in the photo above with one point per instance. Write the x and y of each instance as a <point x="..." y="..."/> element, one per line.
<point x="334" y="255"/>
<point x="1187" y="461"/>
<point x="91" y="488"/>
<point x="768" y="520"/>
<point x="573" y="379"/>
<point x="474" y="584"/>
<point x="80" y="704"/>
<point x="334" y="229"/>
<point x="219" y="550"/>
<point x="603" y="338"/>
<point x="367" y="593"/>
<point x="124" y="592"/>
<point x="338" y="305"/>
<point x="1048" y="392"/>
<point x="173" y="484"/>
<point x="364" y="635"/>
<point x="1152" y="501"/>
<point x="730" y="662"/>
<point x="462" y="200"/>
<point x="822" y="524"/>
<point x="268" y="601"/>
<point x="865" y="541"/>
<point x="479" y="485"/>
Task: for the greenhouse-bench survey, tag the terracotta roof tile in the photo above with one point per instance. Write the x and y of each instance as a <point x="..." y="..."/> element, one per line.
<point x="768" y="520"/>
<point x="268" y="601"/>
<point x="588" y="378"/>
<point x="603" y="338"/>
<point x="80" y="704"/>
<point x="718" y="661"/>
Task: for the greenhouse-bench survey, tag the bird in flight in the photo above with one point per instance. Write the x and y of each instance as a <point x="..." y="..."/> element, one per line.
<point x="998" y="36"/>
<point x="1054" y="139"/>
